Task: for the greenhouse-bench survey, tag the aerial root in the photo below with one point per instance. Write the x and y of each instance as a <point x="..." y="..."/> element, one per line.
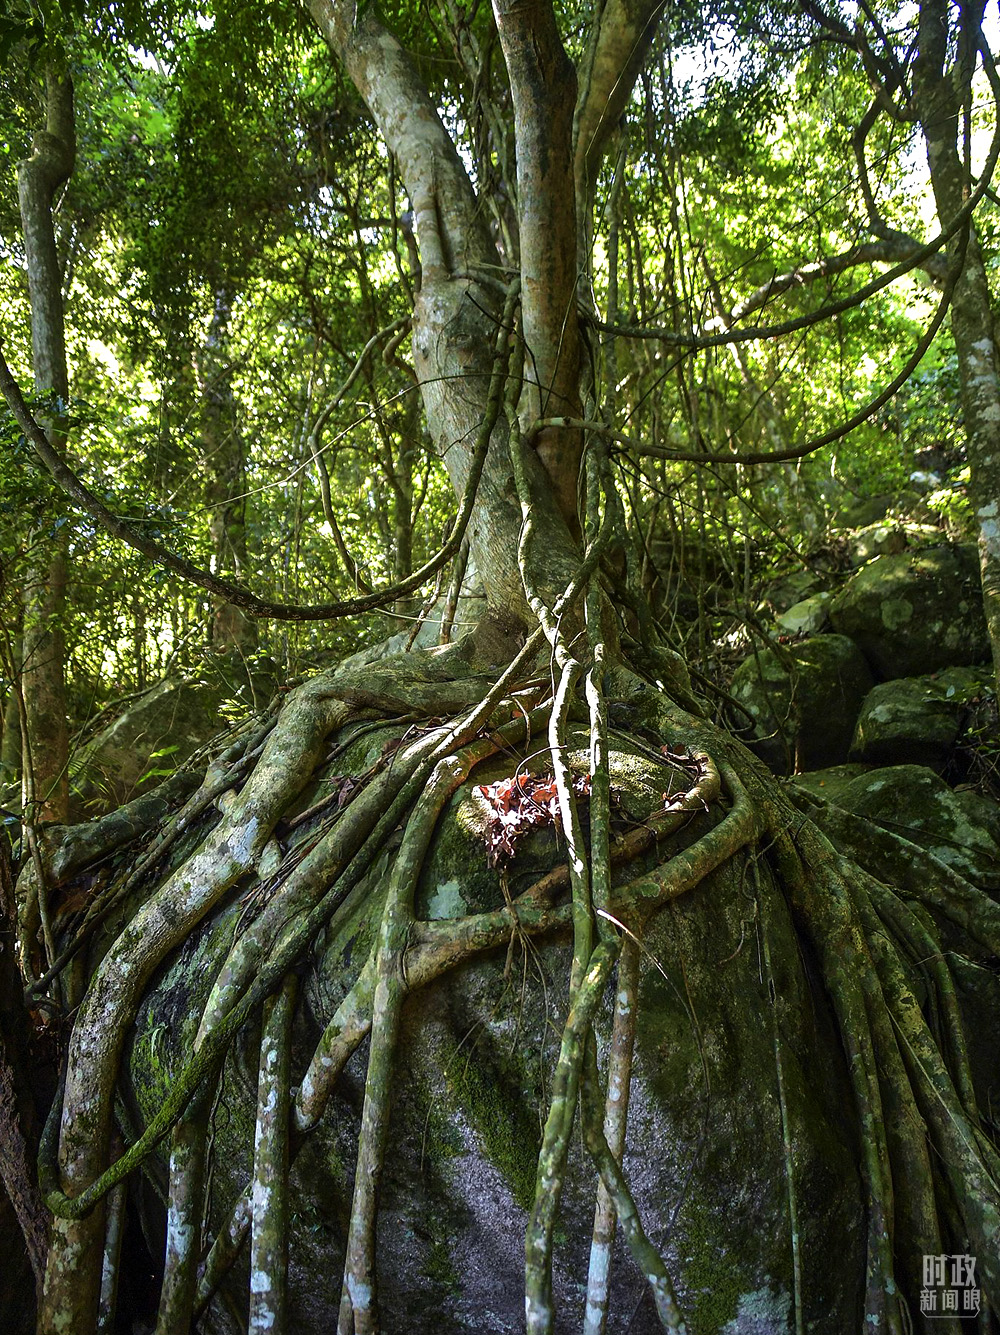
<point x="824" y="900"/>
<point x="614" y="1128"/>
<point x="424" y="952"/>
<point x="79" y="1182"/>
<point x="765" y="919"/>
<point x="914" y="1095"/>
<point x="358" y="1311"/>
<point x="185" y="1206"/>
<point x="107" y="1307"/>
<point x="297" y="934"/>
<point x="868" y="939"/>
<point x="916" y="873"/>
<point x="539" y="1309"/>
<point x="269" y="1228"/>
<point x="614" y="1183"/>
<point x="969" y="1175"/>
<point x="101" y="837"/>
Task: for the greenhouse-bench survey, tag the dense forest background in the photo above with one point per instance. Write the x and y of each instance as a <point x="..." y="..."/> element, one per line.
<point x="237" y="258"/>
<point x="280" y="284"/>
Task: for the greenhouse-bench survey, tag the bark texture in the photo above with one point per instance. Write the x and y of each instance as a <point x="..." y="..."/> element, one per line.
<point x="45" y="749"/>
<point x="940" y="91"/>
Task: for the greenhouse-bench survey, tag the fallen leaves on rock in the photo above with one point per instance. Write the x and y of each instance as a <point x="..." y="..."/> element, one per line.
<point x="518" y="804"/>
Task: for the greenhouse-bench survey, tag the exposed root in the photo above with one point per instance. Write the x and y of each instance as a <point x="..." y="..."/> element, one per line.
<point x="926" y="1157"/>
<point x="269" y="1223"/>
<point x="647" y="1258"/>
<point x="614" y="1130"/>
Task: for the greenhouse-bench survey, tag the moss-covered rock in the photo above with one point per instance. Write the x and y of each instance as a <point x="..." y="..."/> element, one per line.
<point x="149" y="740"/>
<point x="808" y="617"/>
<point x="886" y="538"/>
<point x="830" y="783"/>
<point x="804" y="702"/>
<point x="915" y="720"/>
<point x="792" y="588"/>
<point x="960" y="828"/>
<point x="706" y="1155"/>
<point x="914" y="613"/>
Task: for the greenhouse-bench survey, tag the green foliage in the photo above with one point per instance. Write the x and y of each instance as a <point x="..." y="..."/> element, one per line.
<point x="234" y="234"/>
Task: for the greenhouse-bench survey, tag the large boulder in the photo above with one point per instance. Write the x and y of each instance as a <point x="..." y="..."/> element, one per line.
<point x="915" y="720"/>
<point x="804" y="703"/>
<point x="707" y="1156"/>
<point x="914" y="613"/>
<point x="960" y="828"/>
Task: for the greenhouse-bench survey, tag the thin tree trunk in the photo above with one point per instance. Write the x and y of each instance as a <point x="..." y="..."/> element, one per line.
<point x="938" y="95"/>
<point x="46" y="746"/>
<point x="225" y="483"/>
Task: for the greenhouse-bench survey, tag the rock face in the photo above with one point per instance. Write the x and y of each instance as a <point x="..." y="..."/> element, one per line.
<point x="960" y="828"/>
<point x="159" y="730"/>
<point x="912" y="614"/>
<point x="706" y="1156"/>
<point x="177" y="713"/>
<point x="831" y="783"/>
<point x="809" y="617"/>
<point x="793" y="588"/>
<point x="804" y="718"/>
<point x="883" y="539"/>
<point x="914" y="720"/>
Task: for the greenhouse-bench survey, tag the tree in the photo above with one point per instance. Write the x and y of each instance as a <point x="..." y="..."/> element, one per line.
<point x="934" y="89"/>
<point x="518" y="383"/>
<point x="44" y="735"/>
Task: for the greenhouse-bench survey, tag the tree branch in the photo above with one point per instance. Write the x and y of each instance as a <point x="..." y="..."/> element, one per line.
<point x="451" y="230"/>
<point x="757" y="333"/>
<point x="625" y="34"/>
<point x="895" y="247"/>
<point x="234" y="593"/>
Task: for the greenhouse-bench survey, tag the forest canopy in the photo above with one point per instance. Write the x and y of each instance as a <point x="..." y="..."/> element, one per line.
<point x="234" y="234"/>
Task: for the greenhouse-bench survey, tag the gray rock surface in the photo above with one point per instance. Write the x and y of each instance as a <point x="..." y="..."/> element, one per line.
<point x="804" y="717"/>
<point x="914" y="720"/>
<point x="916" y="612"/>
<point x="959" y="827"/>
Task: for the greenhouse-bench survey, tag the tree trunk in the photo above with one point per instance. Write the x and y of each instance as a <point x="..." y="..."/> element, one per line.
<point x="45" y="749"/>
<point x="222" y="454"/>
<point x="940" y="93"/>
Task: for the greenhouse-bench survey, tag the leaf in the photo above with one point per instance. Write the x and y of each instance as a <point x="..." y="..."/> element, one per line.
<point x="519" y="804"/>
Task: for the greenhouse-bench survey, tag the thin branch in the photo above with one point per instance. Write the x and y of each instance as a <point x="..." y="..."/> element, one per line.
<point x="234" y="593"/>
<point x="758" y="333"/>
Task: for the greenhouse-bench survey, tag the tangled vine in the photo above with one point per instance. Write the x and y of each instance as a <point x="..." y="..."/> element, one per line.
<point x="876" y="912"/>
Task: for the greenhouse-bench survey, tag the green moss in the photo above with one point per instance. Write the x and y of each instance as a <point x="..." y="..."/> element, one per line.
<point x="440" y="1268"/>
<point x="712" y="1277"/>
<point x="439" y="1130"/>
<point x="149" y="1059"/>
<point x="500" y="1116"/>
